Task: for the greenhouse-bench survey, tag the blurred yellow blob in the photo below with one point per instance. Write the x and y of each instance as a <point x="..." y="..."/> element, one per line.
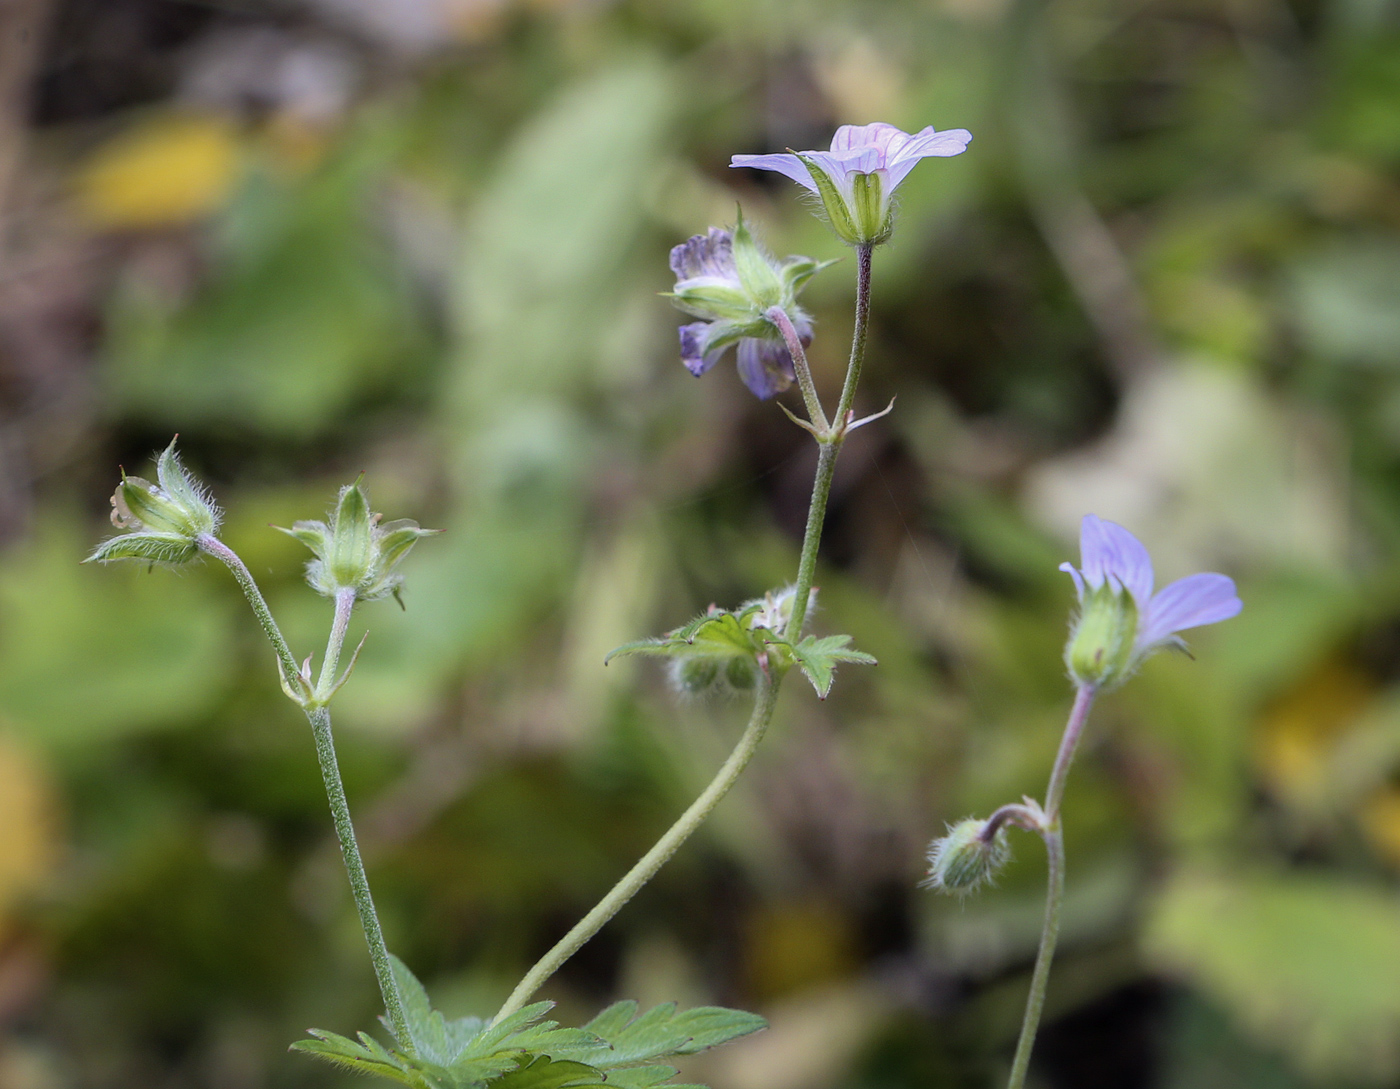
<point x="794" y="946"/>
<point x="1297" y="735"/>
<point x="27" y="827"/>
<point x="1380" y="820"/>
<point x="163" y="172"/>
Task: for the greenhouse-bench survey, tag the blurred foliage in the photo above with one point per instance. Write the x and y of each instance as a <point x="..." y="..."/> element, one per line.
<point x="424" y="239"/>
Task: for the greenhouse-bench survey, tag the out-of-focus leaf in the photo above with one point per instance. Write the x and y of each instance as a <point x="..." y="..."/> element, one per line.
<point x="1347" y="303"/>
<point x="1251" y="478"/>
<point x="1307" y="964"/>
<point x="305" y="313"/>
<point x="88" y="652"/>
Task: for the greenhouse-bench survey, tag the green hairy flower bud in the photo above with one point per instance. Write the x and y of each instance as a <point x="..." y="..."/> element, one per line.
<point x="353" y="551"/>
<point x="966" y="858"/>
<point x="1101" y="646"/>
<point x="164" y="521"/>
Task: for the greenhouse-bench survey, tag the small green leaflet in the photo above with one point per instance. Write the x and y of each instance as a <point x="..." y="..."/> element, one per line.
<point x="714" y="634"/>
<point x="617" y="1048"/>
<point x="817" y="658"/>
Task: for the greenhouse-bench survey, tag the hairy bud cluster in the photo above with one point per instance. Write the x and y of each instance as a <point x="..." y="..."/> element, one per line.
<point x="1102" y="644"/>
<point x="164" y="521"/>
<point x="353" y="551"/>
<point x="967" y="858"/>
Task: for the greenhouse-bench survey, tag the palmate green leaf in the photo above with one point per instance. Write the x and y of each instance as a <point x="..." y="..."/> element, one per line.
<point x="718" y="633"/>
<point x="522" y="1051"/>
<point x="627" y="1039"/>
<point x="366" y="1057"/>
<point x="546" y="1073"/>
<point x="641" y="1077"/>
<point x="817" y="659"/>
<point x="436" y="1039"/>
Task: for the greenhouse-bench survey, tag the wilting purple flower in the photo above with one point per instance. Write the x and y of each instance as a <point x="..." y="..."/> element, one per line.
<point x="1121" y="621"/>
<point x="728" y="279"/>
<point x="857" y="177"/>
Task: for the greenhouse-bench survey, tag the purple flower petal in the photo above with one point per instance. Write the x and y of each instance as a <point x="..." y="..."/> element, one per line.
<point x="1107" y="550"/>
<point x="878" y="135"/>
<point x="693" y="354"/>
<point x="1189" y="603"/>
<point x="1069" y="569"/>
<point x="789" y="165"/>
<point x="705" y="255"/>
<point x="765" y="367"/>
<point x="927" y="143"/>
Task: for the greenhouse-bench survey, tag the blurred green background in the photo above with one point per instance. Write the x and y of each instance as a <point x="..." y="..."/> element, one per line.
<point x="424" y="239"/>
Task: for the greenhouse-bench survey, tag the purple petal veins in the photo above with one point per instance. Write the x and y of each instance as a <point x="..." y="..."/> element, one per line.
<point x="1108" y="553"/>
<point x="765" y="367"/>
<point x="1189" y="603"/>
<point x="697" y="361"/>
<point x="864" y="149"/>
<point x="709" y="254"/>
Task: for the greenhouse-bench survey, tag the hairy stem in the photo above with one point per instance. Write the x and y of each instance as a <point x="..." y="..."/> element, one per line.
<point x="769" y="682"/>
<point x="212" y="546"/>
<point x="354" y="867"/>
<point x="344" y="604"/>
<point x="320" y="719"/>
<point x="853" y="369"/>
<point x="779" y="317"/>
<point x="811" y="540"/>
<point x="1055" y="893"/>
<point x="653" y="860"/>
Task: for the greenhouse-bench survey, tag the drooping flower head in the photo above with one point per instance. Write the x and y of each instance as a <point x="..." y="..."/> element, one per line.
<point x="1121" y="621"/>
<point x="164" y="521"/>
<point x="857" y="178"/>
<point x="728" y="279"/>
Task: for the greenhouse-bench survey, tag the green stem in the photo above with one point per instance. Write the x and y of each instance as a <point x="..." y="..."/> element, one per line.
<point x="764" y="701"/>
<point x="344" y="604"/>
<point x="779" y="317"/>
<point x="320" y="719"/>
<point x="811" y="539"/>
<point x="853" y="369"/>
<point x="828" y="451"/>
<point x="653" y="860"/>
<point x="359" y="882"/>
<point x="1055" y="893"/>
<point x="211" y="545"/>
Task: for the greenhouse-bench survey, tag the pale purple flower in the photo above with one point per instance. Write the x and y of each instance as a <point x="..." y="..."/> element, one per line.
<point x="709" y="285"/>
<point x="857" y="177"/>
<point x="1121" y="620"/>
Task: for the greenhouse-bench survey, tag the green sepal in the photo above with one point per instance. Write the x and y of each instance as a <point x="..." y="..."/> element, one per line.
<point x="353" y="551"/>
<point x="397" y="537"/>
<point x="155" y="548"/>
<point x="712" y="299"/>
<point x="838" y="213"/>
<point x="798" y="270"/>
<point x="200" y="513"/>
<point x="760" y="280"/>
<point x="350" y="556"/>
<point x="315" y="535"/>
<point x="817" y="658"/>
<point x="872" y="214"/>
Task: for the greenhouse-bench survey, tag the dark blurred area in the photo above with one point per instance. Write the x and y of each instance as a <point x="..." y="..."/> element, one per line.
<point x="424" y="239"/>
